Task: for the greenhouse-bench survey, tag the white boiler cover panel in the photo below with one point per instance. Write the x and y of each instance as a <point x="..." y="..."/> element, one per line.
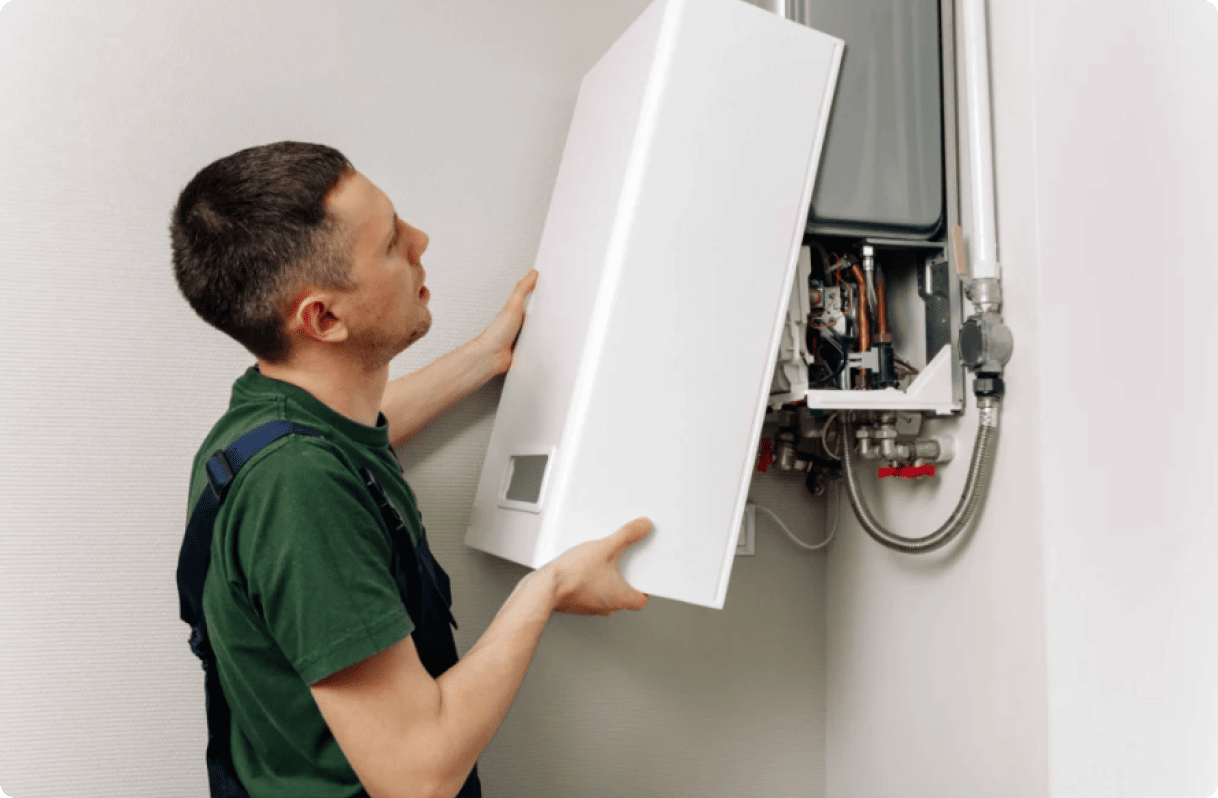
<point x="640" y="379"/>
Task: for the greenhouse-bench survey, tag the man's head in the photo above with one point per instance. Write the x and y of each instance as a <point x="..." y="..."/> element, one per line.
<point x="286" y="246"/>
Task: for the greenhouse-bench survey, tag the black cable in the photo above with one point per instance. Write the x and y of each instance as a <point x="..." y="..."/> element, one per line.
<point x="824" y="258"/>
<point x="841" y="352"/>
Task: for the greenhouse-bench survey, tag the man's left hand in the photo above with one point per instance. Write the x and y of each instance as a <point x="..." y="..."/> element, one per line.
<point x="500" y="337"/>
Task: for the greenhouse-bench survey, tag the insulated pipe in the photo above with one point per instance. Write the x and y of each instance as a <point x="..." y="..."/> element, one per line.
<point x="975" y="486"/>
<point x="980" y="149"/>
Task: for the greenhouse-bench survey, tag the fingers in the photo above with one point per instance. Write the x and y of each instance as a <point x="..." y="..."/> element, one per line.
<point x="627" y="536"/>
<point x="630" y="599"/>
<point x="595" y="586"/>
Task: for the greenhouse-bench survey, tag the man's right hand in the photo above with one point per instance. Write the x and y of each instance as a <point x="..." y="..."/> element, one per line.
<point x="587" y="578"/>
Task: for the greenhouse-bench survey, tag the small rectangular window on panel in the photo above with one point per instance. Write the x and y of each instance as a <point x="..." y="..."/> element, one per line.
<point x="526" y="476"/>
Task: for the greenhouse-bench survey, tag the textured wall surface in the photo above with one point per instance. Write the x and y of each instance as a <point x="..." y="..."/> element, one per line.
<point x="108" y="382"/>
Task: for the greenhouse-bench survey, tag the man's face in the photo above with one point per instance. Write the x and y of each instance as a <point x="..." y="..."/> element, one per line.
<point x="388" y="309"/>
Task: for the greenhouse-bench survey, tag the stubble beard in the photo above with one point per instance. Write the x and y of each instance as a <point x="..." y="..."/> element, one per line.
<point x="374" y="350"/>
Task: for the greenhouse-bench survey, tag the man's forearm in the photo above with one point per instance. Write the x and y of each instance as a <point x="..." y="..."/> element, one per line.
<point x="412" y="402"/>
<point x="475" y="694"/>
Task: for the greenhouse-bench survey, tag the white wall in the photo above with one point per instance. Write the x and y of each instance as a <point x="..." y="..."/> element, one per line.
<point x="459" y="112"/>
<point x="1069" y="647"/>
<point x="1127" y="154"/>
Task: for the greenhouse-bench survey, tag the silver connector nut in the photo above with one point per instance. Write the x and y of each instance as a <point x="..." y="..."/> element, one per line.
<point x="985" y="294"/>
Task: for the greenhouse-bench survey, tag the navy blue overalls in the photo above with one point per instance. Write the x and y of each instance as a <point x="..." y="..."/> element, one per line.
<point x="427" y="596"/>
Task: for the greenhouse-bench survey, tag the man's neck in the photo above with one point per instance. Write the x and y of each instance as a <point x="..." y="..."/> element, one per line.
<point x="342" y="385"/>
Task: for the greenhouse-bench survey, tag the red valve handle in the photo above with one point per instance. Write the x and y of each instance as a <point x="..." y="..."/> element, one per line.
<point x="909" y="472"/>
<point x="765" y="458"/>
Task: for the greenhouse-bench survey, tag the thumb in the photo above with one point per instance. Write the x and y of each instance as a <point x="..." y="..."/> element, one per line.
<point x="631" y="533"/>
<point x="527" y="283"/>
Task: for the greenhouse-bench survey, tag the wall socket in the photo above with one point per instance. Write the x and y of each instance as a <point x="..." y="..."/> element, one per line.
<point x="748" y="532"/>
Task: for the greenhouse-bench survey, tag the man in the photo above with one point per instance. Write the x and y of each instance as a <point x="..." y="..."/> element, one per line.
<point x="300" y="258"/>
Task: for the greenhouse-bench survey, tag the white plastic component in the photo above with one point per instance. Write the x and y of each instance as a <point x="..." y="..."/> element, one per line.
<point x="908" y="423"/>
<point x="667" y="262"/>
<point x="793" y="355"/>
<point x="930" y="390"/>
<point x="947" y="447"/>
<point x="746" y="546"/>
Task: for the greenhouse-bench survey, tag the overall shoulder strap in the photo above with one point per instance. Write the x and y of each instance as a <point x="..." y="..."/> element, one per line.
<point x="221" y="468"/>
<point x="399" y="537"/>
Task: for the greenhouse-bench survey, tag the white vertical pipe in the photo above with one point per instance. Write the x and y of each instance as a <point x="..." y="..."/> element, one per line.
<point x="981" y="149"/>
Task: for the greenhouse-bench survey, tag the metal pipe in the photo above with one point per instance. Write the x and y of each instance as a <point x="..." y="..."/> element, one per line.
<point x="869" y="273"/>
<point x="864" y="318"/>
<point x="975" y="485"/>
<point x="980" y="144"/>
<point x="882" y="301"/>
<point x="891" y="450"/>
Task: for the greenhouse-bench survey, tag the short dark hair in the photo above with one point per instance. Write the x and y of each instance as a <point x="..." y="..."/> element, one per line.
<point x="252" y="227"/>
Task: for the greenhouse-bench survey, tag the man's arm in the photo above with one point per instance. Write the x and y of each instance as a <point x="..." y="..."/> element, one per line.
<point x="412" y="402"/>
<point x="407" y="735"/>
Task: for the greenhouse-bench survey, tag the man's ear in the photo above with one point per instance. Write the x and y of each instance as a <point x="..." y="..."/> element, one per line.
<point x="315" y="314"/>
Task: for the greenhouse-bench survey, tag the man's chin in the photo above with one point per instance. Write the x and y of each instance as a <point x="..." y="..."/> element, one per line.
<point x="418" y="332"/>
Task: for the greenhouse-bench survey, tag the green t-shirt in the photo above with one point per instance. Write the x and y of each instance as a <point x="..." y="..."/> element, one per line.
<point x="300" y="582"/>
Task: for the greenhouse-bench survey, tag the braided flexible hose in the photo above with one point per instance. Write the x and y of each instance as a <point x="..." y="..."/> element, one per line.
<point x="975" y="486"/>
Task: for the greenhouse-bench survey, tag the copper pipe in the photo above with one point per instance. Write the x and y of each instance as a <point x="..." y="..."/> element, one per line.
<point x="883" y="337"/>
<point x="864" y="320"/>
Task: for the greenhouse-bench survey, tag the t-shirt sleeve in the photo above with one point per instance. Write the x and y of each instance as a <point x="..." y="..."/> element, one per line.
<point x="317" y="564"/>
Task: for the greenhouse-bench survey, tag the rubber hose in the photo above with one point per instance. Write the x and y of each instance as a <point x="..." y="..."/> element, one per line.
<point x="975" y="486"/>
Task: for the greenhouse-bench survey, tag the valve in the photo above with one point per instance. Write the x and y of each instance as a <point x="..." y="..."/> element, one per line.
<point x="765" y="458"/>
<point x="909" y="472"/>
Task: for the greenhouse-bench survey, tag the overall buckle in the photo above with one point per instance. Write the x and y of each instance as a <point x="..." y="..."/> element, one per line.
<point x="219" y="472"/>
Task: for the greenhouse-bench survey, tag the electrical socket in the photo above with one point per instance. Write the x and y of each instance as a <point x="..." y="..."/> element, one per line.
<point x="748" y="532"/>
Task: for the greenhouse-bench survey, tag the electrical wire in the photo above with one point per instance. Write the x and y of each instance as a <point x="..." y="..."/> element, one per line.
<point x="824" y="257"/>
<point x="844" y="359"/>
<point x="837" y="505"/>
<point x="873" y="304"/>
<point x="825" y="446"/>
<point x="838" y="265"/>
<point x="902" y="362"/>
<point x="843" y="286"/>
<point x="826" y="314"/>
